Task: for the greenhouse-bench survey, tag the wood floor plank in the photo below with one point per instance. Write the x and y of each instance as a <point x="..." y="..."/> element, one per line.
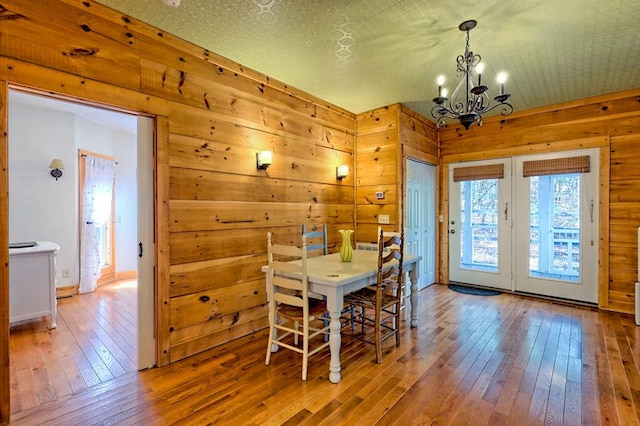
<point x="629" y="362"/>
<point x="104" y="335"/>
<point x="49" y="364"/>
<point x="475" y="360"/>
<point x="623" y="399"/>
<point x="557" y="390"/>
<point x="53" y="365"/>
<point x="64" y="343"/>
<point x="595" y="387"/>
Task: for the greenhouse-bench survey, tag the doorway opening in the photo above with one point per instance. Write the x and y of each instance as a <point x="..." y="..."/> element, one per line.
<point x="44" y="209"/>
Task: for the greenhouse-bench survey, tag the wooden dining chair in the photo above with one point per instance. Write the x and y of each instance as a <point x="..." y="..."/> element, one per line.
<point x="405" y="281"/>
<point x="316" y="240"/>
<point x="290" y="306"/>
<point x="377" y="307"/>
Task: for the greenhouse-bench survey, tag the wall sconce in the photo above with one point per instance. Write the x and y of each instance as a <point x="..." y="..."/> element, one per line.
<point x="263" y="159"/>
<point x="342" y="172"/>
<point x="56" y="167"/>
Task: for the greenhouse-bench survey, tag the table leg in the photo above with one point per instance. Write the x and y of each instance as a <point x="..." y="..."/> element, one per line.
<point x="334" y="305"/>
<point x="413" y="277"/>
<point x="54" y="312"/>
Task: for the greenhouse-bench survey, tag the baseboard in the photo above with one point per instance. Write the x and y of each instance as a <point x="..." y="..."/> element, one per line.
<point x="118" y="276"/>
<point x="127" y="275"/>
<point x="67" y="291"/>
<point x="72" y="290"/>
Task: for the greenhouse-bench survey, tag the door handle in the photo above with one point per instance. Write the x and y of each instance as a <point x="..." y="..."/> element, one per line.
<point x="140" y="249"/>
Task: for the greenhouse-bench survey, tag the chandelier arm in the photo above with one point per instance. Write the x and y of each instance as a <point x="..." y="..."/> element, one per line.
<point x="506" y="108"/>
<point x="439" y="111"/>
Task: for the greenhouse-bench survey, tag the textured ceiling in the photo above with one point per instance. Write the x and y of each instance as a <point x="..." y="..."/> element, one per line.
<point x="364" y="54"/>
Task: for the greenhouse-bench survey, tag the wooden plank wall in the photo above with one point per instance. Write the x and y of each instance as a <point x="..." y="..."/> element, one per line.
<point x="610" y="122"/>
<point x="386" y="137"/>
<point x="213" y="206"/>
<point x="378" y="169"/>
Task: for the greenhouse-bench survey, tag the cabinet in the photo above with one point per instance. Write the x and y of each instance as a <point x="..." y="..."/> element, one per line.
<point x="32" y="282"/>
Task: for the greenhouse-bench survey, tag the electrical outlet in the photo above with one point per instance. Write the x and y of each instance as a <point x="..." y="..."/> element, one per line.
<point x="383" y="219"/>
<point x="66" y="273"/>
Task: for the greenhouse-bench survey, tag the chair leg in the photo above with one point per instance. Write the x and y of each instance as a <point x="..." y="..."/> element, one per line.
<point x="397" y="323"/>
<point x="271" y="336"/>
<point x="295" y="335"/>
<point x="352" y="311"/>
<point x="378" y="317"/>
<point x="267" y="360"/>
<point x="326" y="321"/>
<point x="305" y="349"/>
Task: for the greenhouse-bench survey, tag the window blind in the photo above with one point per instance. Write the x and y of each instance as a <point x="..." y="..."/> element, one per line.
<point x="490" y="171"/>
<point x="556" y="166"/>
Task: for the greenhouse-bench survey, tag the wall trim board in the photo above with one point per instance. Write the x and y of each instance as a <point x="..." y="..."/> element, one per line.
<point x="67" y="291"/>
<point x="4" y="257"/>
<point x="555" y="146"/>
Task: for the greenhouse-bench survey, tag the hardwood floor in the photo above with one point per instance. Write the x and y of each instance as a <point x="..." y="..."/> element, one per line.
<point x="472" y="361"/>
<point x="95" y="341"/>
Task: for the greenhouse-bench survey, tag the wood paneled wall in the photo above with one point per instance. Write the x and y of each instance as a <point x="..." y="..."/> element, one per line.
<point x="611" y="123"/>
<point x="386" y="137"/>
<point x="213" y="206"/>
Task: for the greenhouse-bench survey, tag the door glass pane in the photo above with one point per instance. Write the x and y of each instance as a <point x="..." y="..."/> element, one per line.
<point x="554" y="227"/>
<point x="479" y="225"/>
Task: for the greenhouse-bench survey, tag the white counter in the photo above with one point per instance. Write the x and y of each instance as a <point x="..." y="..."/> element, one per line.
<point x="32" y="282"/>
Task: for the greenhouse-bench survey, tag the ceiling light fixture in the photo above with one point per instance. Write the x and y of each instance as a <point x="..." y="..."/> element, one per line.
<point x="469" y="100"/>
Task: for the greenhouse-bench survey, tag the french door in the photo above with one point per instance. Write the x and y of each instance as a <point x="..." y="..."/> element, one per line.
<point x="480" y="223"/>
<point x="557" y="225"/>
<point x="533" y="230"/>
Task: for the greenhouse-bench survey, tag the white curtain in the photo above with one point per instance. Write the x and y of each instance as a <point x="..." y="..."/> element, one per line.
<point x="97" y="197"/>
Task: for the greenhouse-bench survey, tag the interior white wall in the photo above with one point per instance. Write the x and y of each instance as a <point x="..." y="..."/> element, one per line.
<point x="41" y="208"/>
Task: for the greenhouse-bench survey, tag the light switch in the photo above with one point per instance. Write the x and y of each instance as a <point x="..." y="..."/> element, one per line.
<point x="383" y="219"/>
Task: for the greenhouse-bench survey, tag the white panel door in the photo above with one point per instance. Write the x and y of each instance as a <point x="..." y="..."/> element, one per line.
<point x="146" y="259"/>
<point x="420" y="222"/>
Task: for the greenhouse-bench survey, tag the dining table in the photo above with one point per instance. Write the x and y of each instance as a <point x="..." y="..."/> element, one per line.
<point x="329" y="276"/>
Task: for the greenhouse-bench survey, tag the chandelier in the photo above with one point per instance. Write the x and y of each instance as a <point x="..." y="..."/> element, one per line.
<point x="469" y="100"/>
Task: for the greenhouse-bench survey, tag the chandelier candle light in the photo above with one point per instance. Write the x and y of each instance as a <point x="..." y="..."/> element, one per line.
<point x="468" y="101"/>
